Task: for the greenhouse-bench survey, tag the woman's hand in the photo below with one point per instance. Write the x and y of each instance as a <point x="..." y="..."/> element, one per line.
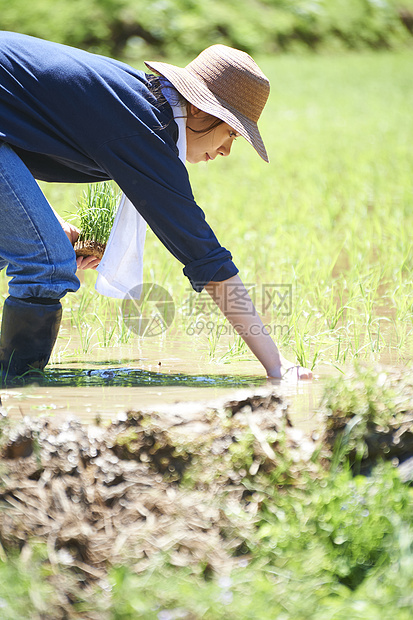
<point x="87" y="262"/>
<point x="289" y="371"/>
<point x="82" y="262"/>
<point x="71" y="231"/>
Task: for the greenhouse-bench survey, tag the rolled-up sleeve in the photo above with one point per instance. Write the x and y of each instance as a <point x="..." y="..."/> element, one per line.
<point x="155" y="180"/>
<point x="216" y="266"/>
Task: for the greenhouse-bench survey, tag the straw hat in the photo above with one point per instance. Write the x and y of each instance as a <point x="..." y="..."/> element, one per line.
<point x="226" y="83"/>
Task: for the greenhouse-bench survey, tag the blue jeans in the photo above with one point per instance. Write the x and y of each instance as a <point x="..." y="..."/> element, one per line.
<point x="33" y="246"/>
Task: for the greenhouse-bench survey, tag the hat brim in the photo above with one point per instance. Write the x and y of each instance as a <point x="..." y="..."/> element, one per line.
<point x="197" y="92"/>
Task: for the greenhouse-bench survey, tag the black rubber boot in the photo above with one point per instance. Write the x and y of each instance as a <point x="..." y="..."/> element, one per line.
<point x="28" y="332"/>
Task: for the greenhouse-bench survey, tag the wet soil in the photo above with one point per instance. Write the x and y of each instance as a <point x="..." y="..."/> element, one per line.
<point x="89" y="248"/>
<point x="105" y="493"/>
<point x="170" y="481"/>
<point x="372" y="421"/>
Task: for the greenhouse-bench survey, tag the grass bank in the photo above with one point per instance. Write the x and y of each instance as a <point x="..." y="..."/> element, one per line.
<point x="223" y="512"/>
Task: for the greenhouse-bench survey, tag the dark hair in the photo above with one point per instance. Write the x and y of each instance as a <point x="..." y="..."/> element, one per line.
<point x="215" y="123"/>
<point x="155" y="87"/>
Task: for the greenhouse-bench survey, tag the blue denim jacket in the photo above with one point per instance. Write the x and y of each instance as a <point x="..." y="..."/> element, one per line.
<point x="77" y="117"/>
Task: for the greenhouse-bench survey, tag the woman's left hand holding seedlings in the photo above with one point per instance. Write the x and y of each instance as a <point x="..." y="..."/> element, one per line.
<point x="82" y="262"/>
<point x="87" y="262"/>
<point x="72" y="232"/>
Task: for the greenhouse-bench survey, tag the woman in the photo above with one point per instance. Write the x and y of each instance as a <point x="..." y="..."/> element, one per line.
<point x="70" y="116"/>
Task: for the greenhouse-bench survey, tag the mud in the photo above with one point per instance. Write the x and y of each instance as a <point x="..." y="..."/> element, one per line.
<point x="89" y="248"/>
<point x="170" y="481"/>
<point x="105" y="493"/>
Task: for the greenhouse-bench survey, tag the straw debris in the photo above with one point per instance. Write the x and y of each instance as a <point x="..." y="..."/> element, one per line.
<point x="99" y="495"/>
<point x="185" y="482"/>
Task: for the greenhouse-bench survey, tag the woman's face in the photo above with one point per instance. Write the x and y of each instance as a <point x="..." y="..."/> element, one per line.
<point x="206" y="146"/>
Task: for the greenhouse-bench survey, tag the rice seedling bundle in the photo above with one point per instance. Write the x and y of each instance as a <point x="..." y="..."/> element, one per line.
<point x="96" y="213"/>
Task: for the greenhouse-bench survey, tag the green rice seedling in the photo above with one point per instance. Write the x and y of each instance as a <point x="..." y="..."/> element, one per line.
<point x="106" y="332"/>
<point x="85" y="333"/>
<point x="214" y="336"/>
<point x="96" y="213"/>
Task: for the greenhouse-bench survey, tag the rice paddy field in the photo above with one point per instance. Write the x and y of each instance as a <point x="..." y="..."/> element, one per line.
<point x="314" y="525"/>
<point x="327" y="223"/>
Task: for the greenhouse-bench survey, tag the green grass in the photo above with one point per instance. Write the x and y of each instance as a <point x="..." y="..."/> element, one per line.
<point x="336" y="552"/>
<point x="331" y="215"/>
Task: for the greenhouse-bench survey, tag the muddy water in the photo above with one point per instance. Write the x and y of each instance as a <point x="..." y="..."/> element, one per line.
<point x="100" y="395"/>
<point x="104" y="382"/>
<point x="106" y="402"/>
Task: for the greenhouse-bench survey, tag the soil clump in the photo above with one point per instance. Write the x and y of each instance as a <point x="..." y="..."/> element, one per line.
<point x="170" y="481"/>
<point x="89" y="248"/>
<point x="105" y="493"/>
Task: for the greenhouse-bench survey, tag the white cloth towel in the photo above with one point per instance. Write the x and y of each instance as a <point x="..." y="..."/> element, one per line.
<point x="120" y="271"/>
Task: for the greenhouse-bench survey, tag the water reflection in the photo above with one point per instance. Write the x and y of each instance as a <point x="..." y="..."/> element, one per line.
<point x="127" y="377"/>
<point x="102" y="391"/>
